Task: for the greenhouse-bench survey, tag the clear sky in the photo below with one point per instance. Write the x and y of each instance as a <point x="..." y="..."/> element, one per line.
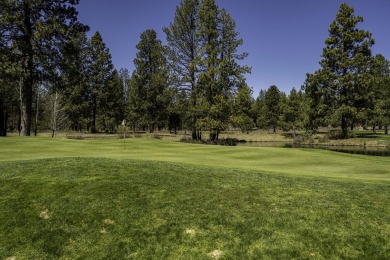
<point x="284" y="38"/>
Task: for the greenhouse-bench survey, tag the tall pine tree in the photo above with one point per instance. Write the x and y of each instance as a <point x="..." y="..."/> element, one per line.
<point x="183" y="54"/>
<point x="340" y="90"/>
<point x="149" y="88"/>
<point x="101" y="70"/>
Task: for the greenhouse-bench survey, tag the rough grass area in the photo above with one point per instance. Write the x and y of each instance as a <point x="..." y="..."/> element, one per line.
<point x="100" y="208"/>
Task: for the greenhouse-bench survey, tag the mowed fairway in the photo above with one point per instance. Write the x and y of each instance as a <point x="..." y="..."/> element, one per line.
<point x="158" y="199"/>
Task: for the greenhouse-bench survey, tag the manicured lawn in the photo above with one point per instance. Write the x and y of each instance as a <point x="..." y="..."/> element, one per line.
<point x="295" y="162"/>
<point x="157" y="199"/>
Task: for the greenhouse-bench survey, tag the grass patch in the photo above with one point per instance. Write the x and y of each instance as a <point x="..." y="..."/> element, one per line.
<point x="153" y="199"/>
<point x="99" y="208"/>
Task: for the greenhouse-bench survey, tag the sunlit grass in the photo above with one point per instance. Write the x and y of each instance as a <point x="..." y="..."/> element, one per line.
<point x="301" y="162"/>
<point x="156" y="199"/>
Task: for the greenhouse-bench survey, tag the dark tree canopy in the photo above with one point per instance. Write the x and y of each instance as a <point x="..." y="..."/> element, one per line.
<point x="33" y="32"/>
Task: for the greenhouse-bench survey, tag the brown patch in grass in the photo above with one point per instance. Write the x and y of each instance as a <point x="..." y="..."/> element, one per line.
<point x="191" y="232"/>
<point x="44" y="214"/>
<point x="216" y="254"/>
<point x="109" y="221"/>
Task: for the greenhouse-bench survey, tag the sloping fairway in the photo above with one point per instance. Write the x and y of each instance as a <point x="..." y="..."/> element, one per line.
<point x="159" y="199"/>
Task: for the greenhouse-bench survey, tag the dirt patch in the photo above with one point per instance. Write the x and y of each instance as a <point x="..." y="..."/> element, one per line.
<point x="44" y="214"/>
<point x="109" y="221"/>
<point x="216" y="254"/>
<point x="190" y="232"/>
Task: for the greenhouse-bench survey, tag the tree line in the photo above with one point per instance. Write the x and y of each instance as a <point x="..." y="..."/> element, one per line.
<point x="54" y="77"/>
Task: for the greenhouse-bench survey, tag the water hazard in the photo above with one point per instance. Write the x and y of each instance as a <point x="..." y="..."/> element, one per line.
<point x="364" y="150"/>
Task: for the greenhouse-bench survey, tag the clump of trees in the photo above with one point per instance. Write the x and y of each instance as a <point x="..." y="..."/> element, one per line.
<point x="53" y="77"/>
<point x="351" y="87"/>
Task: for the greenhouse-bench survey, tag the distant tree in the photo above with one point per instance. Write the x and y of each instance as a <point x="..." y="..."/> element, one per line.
<point x="101" y="70"/>
<point x="32" y="33"/>
<point x="272" y="103"/>
<point x="259" y="110"/>
<point x="150" y="94"/>
<point x="243" y="102"/>
<point x="340" y="90"/>
<point x="293" y="111"/>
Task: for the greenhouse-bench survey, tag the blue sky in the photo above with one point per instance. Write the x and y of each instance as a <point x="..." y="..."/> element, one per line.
<point x="284" y="38"/>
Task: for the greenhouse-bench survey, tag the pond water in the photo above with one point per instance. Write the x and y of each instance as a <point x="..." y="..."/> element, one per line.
<point x="374" y="151"/>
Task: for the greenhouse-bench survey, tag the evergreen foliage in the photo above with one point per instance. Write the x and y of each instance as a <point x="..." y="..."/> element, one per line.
<point x="32" y="35"/>
<point x="150" y="95"/>
<point x="340" y="90"/>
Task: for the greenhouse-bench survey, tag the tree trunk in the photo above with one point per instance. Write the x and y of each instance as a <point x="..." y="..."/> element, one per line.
<point x="27" y="78"/>
<point x="3" y="119"/>
<point x="36" y="115"/>
<point x="26" y="107"/>
<point x="344" y="127"/>
<point x="54" y="118"/>
<point x="213" y="136"/>
<point x="93" y="126"/>
<point x="374" y="129"/>
<point x="386" y="130"/>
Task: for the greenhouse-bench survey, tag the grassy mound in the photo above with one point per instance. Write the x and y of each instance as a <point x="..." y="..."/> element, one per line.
<point x="101" y="208"/>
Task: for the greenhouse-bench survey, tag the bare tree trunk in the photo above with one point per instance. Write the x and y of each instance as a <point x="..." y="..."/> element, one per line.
<point x="93" y="127"/>
<point x="344" y="127"/>
<point x="36" y="115"/>
<point x="28" y="67"/>
<point x="3" y="118"/>
<point x="54" y="117"/>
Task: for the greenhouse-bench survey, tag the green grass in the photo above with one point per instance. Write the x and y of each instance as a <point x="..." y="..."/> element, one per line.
<point x="67" y="199"/>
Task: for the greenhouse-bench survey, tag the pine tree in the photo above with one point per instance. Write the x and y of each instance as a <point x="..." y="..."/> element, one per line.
<point x="220" y="69"/>
<point x="101" y="69"/>
<point x="183" y="54"/>
<point x="378" y="113"/>
<point x="115" y="105"/>
<point x="272" y="103"/>
<point x="203" y="56"/>
<point x="35" y="31"/>
<point x="339" y="90"/>
<point x="243" y="103"/>
<point x="75" y="66"/>
<point x="294" y="111"/>
<point x="150" y="93"/>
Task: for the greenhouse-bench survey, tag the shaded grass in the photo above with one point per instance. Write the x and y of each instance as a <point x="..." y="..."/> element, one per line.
<point x="101" y="208"/>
